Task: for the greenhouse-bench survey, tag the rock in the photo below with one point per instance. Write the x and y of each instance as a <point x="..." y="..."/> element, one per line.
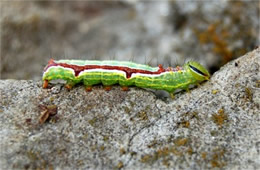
<point x="214" y="126"/>
<point x="158" y="32"/>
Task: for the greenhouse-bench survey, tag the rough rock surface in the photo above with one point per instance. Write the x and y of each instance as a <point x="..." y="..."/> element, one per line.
<point x="216" y="125"/>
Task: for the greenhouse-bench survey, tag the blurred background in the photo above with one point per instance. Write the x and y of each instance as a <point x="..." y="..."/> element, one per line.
<point x="156" y="32"/>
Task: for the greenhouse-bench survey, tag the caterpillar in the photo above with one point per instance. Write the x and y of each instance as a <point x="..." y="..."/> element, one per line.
<point x="124" y="73"/>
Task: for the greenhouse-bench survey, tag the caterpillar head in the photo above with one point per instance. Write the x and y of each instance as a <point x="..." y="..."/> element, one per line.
<point x="199" y="72"/>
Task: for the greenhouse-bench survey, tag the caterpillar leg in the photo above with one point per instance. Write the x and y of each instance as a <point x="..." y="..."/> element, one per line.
<point x="172" y="95"/>
<point x="124" y="88"/>
<point x="69" y="85"/>
<point x="88" y="88"/>
<point x="45" y="84"/>
<point x="188" y="92"/>
<point x="107" y="88"/>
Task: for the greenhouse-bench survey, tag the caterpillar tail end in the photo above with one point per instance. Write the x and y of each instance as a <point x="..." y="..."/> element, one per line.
<point x="45" y="84"/>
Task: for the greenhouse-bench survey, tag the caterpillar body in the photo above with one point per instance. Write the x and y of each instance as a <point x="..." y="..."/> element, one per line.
<point x="124" y="73"/>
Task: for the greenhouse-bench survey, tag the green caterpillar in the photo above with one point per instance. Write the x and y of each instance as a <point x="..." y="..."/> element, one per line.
<point x="108" y="73"/>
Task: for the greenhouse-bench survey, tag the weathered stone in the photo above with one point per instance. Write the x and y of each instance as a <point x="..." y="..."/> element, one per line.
<point x="216" y="125"/>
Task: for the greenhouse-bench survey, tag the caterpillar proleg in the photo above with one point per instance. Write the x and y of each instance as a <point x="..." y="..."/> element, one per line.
<point x="124" y="73"/>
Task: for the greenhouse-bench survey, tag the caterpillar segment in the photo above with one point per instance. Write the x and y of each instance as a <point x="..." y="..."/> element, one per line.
<point x="124" y="73"/>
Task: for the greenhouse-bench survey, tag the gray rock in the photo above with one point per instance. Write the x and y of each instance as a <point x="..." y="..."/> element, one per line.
<point x="214" y="126"/>
<point x="156" y="32"/>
